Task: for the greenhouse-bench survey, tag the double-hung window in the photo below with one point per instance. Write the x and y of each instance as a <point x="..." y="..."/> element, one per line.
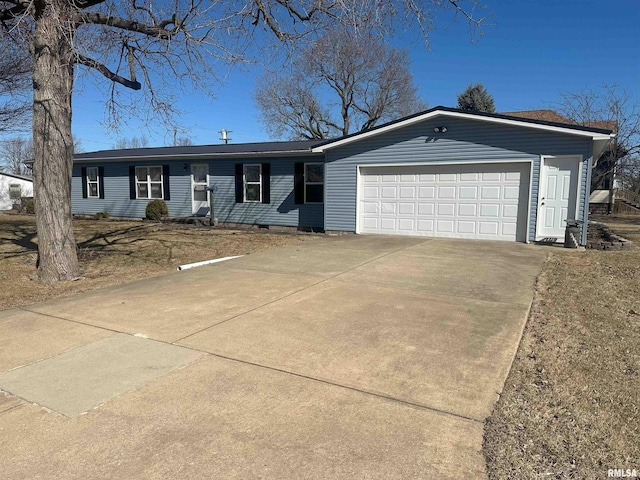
<point x="252" y="177"/>
<point x="15" y="191"/>
<point x="93" y="182"/>
<point x="149" y="182"/>
<point x="313" y="182"/>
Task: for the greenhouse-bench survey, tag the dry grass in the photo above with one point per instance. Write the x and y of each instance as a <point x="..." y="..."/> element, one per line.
<point x="570" y="407"/>
<point x="113" y="252"/>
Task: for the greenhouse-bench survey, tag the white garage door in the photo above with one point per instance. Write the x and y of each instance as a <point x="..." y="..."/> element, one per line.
<point x="483" y="201"/>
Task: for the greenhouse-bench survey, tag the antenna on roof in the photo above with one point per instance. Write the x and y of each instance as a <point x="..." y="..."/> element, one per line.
<point x="224" y="135"/>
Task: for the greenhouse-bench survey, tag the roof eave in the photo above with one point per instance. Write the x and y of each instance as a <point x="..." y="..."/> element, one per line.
<point x="595" y="134"/>
<point x="197" y="156"/>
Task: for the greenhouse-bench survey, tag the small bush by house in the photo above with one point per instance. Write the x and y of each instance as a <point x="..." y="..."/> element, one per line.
<point x="156" y="209"/>
<point x="101" y="215"/>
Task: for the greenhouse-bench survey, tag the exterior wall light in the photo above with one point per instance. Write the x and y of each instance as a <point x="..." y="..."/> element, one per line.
<point x="440" y="129"/>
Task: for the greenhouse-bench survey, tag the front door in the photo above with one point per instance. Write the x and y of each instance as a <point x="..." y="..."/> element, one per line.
<point x="199" y="193"/>
<point x="558" y="195"/>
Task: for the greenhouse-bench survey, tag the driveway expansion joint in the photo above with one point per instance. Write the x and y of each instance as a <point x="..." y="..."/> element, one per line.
<point x="340" y="385"/>
<point x="323" y="280"/>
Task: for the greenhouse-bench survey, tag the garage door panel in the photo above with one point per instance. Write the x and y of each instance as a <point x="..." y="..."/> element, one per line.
<point x="426" y="208"/>
<point x="489" y="228"/>
<point x="490" y="192"/>
<point x="468" y="201"/>
<point x="447" y="177"/>
<point x="426" y="192"/>
<point x="466" y="227"/>
<point x="408" y="192"/>
<point x="445" y="226"/>
<point x="468" y="177"/>
<point x="511" y="193"/>
<point x="425" y="226"/>
<point x="428" y="177"/>
<point x="468" y="193"/>
<point x="388" y="207"/>
<point x="467" y="209"/>
<point x="490" y="176"/>
<point x="446" y="209"/>
<point x="489" y="210"/>
<point x="389" y="192"/>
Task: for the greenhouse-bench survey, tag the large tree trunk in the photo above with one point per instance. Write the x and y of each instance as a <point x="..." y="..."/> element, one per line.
<point x="52" y="140"/>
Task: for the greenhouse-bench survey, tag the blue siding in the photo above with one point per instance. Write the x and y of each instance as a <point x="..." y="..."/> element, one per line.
<point x="464" y="141"/>
<point x="116" y="190"/>
<point x="282" y="210"/>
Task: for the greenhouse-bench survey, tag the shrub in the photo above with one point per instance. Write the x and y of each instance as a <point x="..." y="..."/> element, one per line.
<point x="156" y="209"/>
<point x="30" y="207"/>
<point x="100" y="215"/>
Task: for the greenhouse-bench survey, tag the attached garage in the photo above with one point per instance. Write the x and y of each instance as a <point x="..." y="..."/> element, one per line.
<point x="477" y="200"/>
<point x="459" y="174"/>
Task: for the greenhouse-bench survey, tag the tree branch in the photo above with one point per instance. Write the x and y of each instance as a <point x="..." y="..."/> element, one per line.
<point x="114" y="77"/>
<point x="159" y="31"/>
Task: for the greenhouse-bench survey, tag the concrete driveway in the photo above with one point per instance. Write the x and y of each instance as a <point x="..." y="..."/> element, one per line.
<point x="344" y="357"/>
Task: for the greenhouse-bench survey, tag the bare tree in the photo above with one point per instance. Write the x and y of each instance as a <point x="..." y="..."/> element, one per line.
<point x="609" y="107"/>
<point x="15" y="70"/>
<point x="342" y="82"/>
<point x="183" y="141"/>
<point x="133" y="142"/>
<point x="136" y="43"/>
<point x="14" y="152"/>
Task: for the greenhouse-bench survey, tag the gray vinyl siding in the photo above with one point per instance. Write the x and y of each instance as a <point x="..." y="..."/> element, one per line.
<point x="281" y="211"/>
<point x="465" y="141"/>
<point x="116" y="190"/>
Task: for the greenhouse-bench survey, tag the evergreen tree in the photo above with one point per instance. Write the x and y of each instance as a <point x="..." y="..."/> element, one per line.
<point x="476" y="98"/>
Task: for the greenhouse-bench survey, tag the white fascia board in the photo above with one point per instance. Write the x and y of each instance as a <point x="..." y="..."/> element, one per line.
<point x="467" y="116"/>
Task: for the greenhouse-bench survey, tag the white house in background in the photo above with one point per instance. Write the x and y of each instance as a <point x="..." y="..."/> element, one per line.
<point x="12" y="188"/>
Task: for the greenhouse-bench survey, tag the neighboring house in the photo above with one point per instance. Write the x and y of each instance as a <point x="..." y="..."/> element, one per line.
<point x="443" y="172"/>
<point x="603" y="166"/>
<point x="13" y="188"/>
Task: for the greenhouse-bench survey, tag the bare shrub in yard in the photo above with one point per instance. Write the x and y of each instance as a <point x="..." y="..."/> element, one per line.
<point x="30" y="207"/>
<point x="156" y="209"/>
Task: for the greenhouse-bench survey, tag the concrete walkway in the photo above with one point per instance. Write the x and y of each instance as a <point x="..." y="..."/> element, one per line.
<point x="345" y="357"/>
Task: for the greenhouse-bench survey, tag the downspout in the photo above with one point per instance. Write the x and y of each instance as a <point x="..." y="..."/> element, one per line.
<point x="585" y="195"/>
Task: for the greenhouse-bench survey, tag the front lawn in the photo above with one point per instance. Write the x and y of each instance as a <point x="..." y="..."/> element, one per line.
<point x="112" y="252"/>
<point x="571" y="403"/>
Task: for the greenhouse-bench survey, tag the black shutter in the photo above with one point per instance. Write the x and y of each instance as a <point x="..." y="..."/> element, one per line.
<point x="84" y="182"/>
<point x="165" y="182"/>
<point x="101" y="181"/>
<point x="239" y="184"/>
<point x="298" y="187"/>
<point x="266" y="183"/>
<point x="132" y="182"/>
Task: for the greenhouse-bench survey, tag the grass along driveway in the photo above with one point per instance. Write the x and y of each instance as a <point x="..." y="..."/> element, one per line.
<point x="571" y="403"/>
<point x="113" y="252"/>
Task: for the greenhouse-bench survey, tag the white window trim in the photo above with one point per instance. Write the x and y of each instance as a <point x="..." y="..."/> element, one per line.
<point x="313" y="183"/>
<point x="148" y="182"/>
<point x="97" y="182"/>
<point x="245" y="182"/>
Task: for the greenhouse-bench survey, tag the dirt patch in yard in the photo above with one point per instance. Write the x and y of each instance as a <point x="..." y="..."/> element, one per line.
<point x="571" y="403"/>
<point x="114" y="252"/>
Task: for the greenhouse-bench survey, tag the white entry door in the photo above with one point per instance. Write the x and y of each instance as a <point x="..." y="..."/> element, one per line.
<point x="199" y="193"/>
<point x="558" y="195"/>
